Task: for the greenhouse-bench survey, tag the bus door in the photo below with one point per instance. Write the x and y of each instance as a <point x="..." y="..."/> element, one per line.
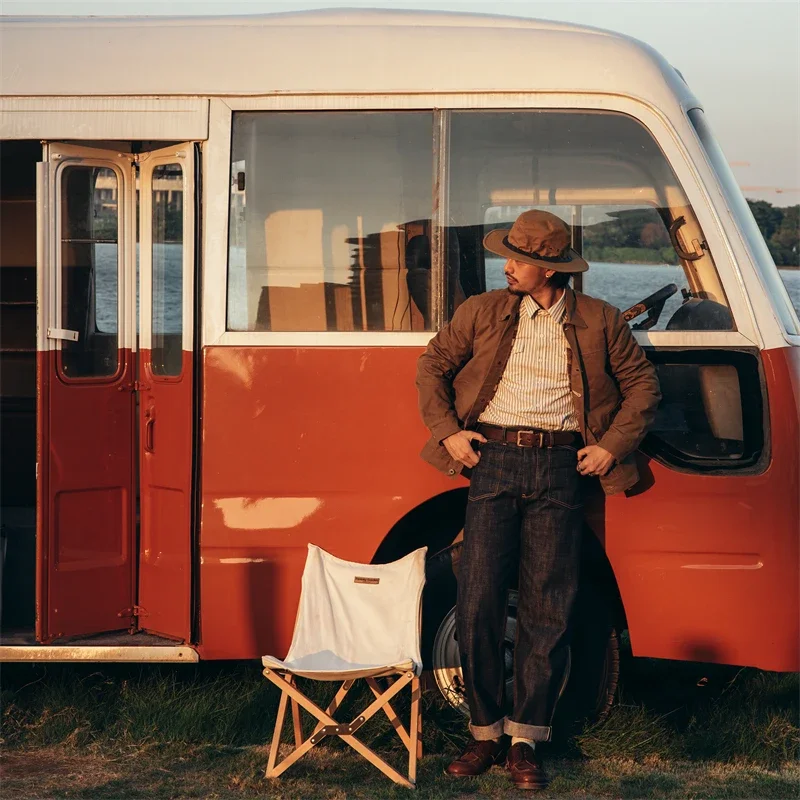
<point x="166" y="275"/>
<point x="96" y="465"/>
<point x="86" y="484"/>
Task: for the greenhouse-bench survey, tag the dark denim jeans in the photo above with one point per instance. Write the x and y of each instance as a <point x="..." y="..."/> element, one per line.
<point x="525" y="519"/>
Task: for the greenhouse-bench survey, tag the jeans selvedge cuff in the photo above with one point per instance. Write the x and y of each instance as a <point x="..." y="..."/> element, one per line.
<point x="539" y="733"/>
<point x="483" y="733"/>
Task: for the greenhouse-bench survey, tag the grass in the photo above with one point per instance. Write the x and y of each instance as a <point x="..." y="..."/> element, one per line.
<point x="679" y="730"/>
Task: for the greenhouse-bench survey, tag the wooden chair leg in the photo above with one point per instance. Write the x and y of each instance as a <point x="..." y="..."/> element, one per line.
<point x="377" y="762"/>
<point x="276" y="736"/>
<point x="291" y="692"/>
<point x="415" y="726"/>
<point x="298" y="727"/>
<point x="369" y="712"/>
<point x="335" y="703"/>
<point x="419" y="733"/>
<point x="390" y="713"/>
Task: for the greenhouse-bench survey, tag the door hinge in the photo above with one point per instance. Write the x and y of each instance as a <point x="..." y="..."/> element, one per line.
<point x="134" y="611"/>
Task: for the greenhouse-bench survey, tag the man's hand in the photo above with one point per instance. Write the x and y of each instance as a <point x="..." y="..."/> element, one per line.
<point x="460" y="449"/>
<point x="593" y="460"/>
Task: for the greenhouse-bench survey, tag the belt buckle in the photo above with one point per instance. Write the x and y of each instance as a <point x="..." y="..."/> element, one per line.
<point x="530" y="437"/>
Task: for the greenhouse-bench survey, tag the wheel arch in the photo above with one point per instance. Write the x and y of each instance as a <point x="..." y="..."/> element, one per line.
<point x="438" y="522"/>
<point x="596" y="568"/>
<point x="434" y="524"/>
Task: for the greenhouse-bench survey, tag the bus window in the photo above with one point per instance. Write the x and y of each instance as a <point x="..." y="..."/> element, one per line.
<point x="606" y="177"/>
<point x="167" y="297"/>
<point x="711" y="415"/>
<point x="329" y="221"/>
<point x="89" y="271"/>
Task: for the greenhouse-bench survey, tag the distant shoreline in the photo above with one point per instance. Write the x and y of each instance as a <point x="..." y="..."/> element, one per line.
<point x="658" y="264"/>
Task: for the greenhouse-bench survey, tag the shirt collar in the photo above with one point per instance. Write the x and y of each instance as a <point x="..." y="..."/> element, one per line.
<point x="556" y="311"/>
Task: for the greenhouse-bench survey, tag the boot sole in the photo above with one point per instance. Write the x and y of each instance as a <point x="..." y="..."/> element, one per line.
<point x="498" y="763"/>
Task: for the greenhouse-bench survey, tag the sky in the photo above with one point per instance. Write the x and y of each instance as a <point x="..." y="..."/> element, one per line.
<point x="742" y="60"/>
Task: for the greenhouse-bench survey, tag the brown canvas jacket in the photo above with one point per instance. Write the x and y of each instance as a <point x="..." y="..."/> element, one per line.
<point x="614" y="386"/>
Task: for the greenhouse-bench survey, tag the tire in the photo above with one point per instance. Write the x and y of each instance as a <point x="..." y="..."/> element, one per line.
<point x="594" y="672"/>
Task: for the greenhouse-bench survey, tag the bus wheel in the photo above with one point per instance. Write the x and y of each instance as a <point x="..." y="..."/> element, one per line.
<point x="594" y="671"/>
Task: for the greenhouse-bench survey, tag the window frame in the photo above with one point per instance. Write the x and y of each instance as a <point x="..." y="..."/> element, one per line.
<point x="682" y="152"/>
<point x="764" y="269"/>
<point x="65" y="161"/>
<point x="167" y="377"/>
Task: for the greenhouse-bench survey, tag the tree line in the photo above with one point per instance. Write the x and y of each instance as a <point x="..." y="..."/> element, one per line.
<point x="640" y="236"/>
<point x="780" y="227"/>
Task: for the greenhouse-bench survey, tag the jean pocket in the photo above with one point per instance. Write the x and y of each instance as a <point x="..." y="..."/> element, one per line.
<point x="568" y="447"/>
<point x="486" y="474"/>
<point x="564" y="486"/>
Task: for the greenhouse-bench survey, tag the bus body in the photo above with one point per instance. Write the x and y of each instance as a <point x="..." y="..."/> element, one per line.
<point x="225" y="243"/>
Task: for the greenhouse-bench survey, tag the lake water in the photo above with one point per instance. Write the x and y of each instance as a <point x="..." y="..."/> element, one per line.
<point x="620" y="284"/>
<point x="623" y="285"/>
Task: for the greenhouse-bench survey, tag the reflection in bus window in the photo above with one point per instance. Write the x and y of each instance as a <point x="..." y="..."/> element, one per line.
<point x="330" y="221"/>
<point x="89" y="270"/>
<point x="167" y="324"/>
<point x="605" y="176"/>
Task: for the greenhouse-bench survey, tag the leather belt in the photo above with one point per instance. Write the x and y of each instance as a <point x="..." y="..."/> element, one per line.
<point x="523" y="437"/>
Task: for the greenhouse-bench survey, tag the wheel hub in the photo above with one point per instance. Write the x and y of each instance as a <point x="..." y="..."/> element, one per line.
<point x="447" y="662"/>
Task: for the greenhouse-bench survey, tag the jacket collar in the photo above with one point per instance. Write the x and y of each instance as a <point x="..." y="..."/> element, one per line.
<point x="510" y="305"/>
<point x="572" y="316"/>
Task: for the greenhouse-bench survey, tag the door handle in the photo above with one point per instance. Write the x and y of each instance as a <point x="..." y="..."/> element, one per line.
<point x="149" y="424"/>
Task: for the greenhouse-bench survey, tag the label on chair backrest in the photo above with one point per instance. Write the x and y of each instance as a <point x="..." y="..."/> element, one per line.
<point x="357" y="579"/>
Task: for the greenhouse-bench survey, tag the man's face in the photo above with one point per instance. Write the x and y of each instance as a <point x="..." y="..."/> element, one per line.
<point x="525" y="278"/>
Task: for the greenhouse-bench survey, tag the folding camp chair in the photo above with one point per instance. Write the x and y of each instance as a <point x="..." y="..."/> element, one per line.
<point x="354" y="621"/>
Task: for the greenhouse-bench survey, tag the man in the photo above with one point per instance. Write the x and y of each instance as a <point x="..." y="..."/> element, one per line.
<point x="533" y="389"/>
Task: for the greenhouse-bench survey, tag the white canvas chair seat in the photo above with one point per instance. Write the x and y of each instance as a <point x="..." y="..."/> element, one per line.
<point x="328" y="667"/>
<point x="354" y="621"/>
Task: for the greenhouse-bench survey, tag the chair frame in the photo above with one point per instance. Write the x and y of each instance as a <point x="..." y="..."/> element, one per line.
<point x="328" y="726"/>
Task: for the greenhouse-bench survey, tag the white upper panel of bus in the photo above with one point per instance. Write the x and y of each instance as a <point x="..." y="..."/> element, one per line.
<point x="342" y="51"/>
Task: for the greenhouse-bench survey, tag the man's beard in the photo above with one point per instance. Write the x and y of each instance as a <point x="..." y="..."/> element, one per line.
<point x="517" y="292"/>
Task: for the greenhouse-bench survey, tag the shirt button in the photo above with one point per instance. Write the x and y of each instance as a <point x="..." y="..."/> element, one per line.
<point x="451" y="472"/>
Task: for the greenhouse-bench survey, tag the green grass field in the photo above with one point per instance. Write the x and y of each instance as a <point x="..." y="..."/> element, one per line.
<point x="124" y="731"/>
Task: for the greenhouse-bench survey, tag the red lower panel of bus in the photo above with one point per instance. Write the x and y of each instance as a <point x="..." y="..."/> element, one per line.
<point x="321" y="445"/>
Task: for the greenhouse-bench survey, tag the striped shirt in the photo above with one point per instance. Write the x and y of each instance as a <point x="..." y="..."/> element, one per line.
<point x="534" y="391"/>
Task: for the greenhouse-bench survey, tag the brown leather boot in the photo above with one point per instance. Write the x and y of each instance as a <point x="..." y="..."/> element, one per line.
<point x="479" y="757"/>
<point x="525" y="768"/>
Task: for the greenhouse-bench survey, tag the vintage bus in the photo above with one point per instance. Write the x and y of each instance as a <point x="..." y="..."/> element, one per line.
<point x="225" y="243"/>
